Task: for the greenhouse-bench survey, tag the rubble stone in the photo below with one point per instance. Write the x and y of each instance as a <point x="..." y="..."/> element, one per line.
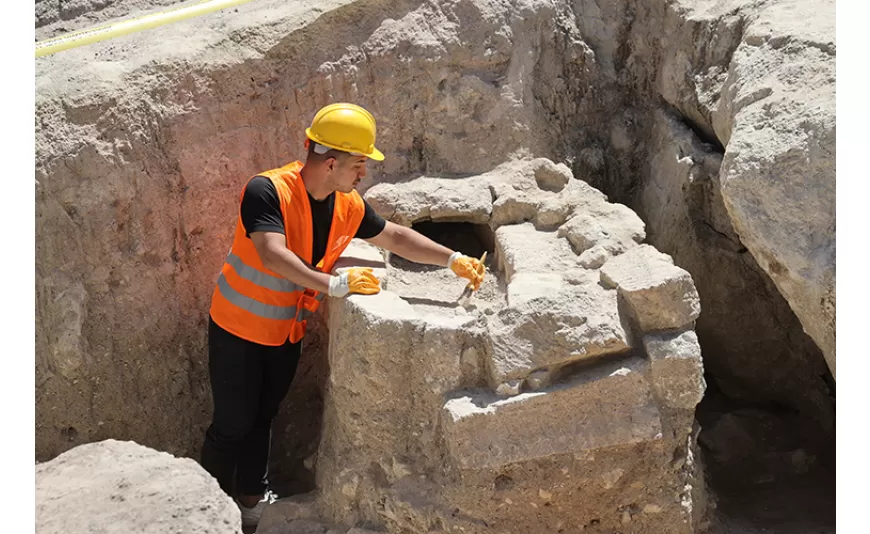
<point x="676" y="368"/>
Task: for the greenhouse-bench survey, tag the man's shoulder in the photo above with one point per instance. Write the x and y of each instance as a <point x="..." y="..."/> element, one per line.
<point x="260" y="185"/>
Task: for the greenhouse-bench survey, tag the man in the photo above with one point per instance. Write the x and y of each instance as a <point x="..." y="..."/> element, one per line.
<point x="293" y="224"/>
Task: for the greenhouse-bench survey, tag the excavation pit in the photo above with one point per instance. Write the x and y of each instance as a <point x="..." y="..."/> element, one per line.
<point x="143" y="145"/>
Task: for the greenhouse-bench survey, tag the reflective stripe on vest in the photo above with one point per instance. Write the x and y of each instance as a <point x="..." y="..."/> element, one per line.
<point x="264" y="280"/>
<point x="305" y="314"/>
<point x="267" y="311"/>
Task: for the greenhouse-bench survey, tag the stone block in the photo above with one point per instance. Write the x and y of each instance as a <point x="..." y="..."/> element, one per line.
<point x="661" y="295"/>
<point x="613" y="227"/>
<point x="550" y="322"/>
<point x="436" y="199"/>
<point x="605" y="406"/>
<point x="522" y="248"/>
<point x="361" y="254"/>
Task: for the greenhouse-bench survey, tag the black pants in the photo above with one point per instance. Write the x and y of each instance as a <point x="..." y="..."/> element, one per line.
<point x="248" y="383"/>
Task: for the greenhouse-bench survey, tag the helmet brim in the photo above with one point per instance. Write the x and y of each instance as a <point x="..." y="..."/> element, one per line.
<point x="376" y="155"/>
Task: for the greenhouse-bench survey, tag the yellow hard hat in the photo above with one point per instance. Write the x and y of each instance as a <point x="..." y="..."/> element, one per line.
<point x="345" y="127"/>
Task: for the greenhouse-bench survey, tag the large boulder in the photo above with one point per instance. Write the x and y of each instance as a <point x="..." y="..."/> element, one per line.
<point x="777" y="117"/>
<point x="755" y="349"/>
<point x="760" y="91"/>
<point x="120" y="487"/>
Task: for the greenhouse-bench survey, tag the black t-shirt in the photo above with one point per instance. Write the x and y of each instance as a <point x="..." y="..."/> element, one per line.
<point x="261" y="212"/>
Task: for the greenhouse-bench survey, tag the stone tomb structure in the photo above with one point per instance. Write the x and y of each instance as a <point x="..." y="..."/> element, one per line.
<point x="559" y="397"/>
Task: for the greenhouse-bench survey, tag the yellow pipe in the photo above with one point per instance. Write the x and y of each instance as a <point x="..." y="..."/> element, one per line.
<point x="115" y="29"/>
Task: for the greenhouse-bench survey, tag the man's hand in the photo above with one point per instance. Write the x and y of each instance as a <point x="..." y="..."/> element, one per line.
<point x="355" y="280"/>
<point x="467" y="267"/>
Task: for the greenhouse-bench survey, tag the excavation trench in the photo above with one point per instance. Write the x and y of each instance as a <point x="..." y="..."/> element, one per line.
<point x="497" y="121"/>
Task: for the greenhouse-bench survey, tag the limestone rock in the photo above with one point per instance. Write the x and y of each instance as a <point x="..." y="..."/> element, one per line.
<point x="609" y="479"/>
<point x="676" y="368"/>
<point x="553" y="346"/>
<point x="436" y="199"/>
<point x="595" y="257"/>
<point x="539" y="380"/>
<point x="652" y="509"/>
<point x="661" y="295"/>
<point x="549" y="322"/>
<point x="361" y="254"/>
<point x="753" y="343"/>
<point x="509" y="388"/>
<point x="391" y="366"/>
<point x="116" y="486"/>
<point x="528" y="286"/>
<point x="520" y="197"/>
<point x="777" y="116"/>
<point x="514" y="192"/>
<point x="613" y="227"/>
<point x="551" y="176"/>
<point x="521" y="248"/>
<point x="485" y="431"/>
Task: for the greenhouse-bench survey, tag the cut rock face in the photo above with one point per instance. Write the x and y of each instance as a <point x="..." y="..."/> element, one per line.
<point x="537" y="378"/>
<point x="523" y="249"/>
<point x="116" y="486"/>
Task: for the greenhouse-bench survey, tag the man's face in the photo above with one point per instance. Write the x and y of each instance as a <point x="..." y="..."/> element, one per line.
<point x="348" y="171"/>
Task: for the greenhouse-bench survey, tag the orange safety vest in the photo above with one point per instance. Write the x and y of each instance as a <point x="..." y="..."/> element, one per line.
<point x="260" y="305"/>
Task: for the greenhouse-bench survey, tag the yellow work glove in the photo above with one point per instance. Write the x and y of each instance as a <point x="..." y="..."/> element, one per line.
<point x="354" y="280"/>
<point x="467" y="267"/>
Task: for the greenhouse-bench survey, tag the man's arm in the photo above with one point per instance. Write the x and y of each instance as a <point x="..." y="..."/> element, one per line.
<point x="264" y="224"/>
<point x="411" y="245"/>
<point x="418" y="248"/>
<point x="273" y="252"/>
